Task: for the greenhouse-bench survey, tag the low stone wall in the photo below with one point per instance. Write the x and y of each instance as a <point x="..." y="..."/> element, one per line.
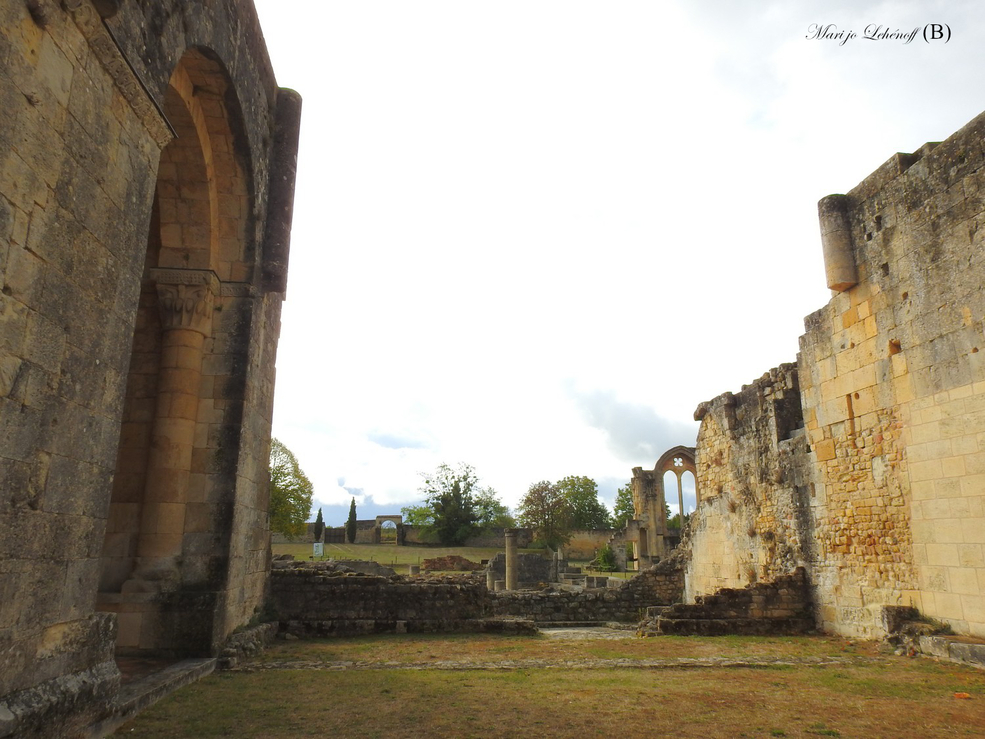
<point x="65" y="705"/>
<point x="533" y="570"/>
<point x="450" y="563"/>
<point x="306" y="594"/>
<point x="305" y="537"/>
<point x="247" y="643"/>
<point x="662" y="584"/>
<point x="782" y="606"/>
<point x="495" y="537"/>
<point x="583" y="545"/>
<point x="307" y="599"/>
<point x="360" y="627"/>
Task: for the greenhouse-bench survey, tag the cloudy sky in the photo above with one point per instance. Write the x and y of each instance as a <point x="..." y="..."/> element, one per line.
<point x="532" y="235"/>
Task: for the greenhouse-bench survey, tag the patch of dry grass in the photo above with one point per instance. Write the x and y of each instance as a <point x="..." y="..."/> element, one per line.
<point x="880" y="696"/>
<point x="390" y="554"/>
<point x="414" y="648"/>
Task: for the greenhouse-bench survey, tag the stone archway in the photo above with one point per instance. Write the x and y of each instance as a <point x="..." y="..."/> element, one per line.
<point x="649" y="501"/>
<point x="168" y="546"/>
<point x="677" y="462"/>
<point x="389" y="529"/>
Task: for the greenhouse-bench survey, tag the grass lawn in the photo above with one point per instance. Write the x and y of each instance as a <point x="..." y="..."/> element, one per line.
<point x="388" y="554"/>
<point x="400" y="557"/>
<point x="382" y="691"/>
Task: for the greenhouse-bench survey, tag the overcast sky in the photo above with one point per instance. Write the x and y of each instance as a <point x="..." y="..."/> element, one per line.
<point x="533" y="235"/>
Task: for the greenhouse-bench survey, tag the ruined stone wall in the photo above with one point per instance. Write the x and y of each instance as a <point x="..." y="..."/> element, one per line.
<point x="751" y="522"/>
<point x="780" y="606"/>
<point x="532" y="569"/>
<point x="661" y="584"/>
<point x="81" y="142"/>
<point x="584" y="544"/>
<point x="305" y="594"/>
<point x="883" y="497"/>
<point x="310" y="595"/>
<point x="893" y="381"/>
<point x="494" y="537"/>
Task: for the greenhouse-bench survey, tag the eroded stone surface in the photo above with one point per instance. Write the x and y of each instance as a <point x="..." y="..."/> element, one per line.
<point x="137" y="333"/>
<point x="871" y="473"/>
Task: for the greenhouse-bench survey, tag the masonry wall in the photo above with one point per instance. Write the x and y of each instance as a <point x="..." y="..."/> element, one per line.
<point x="304" y="594"/>
<point x="583" y="545"/>
<point x="751" y="523"/>
<point x="495" y="537"/>
<point x="77" y="171"/>
<point x="533" y="570"/>
<point x="661" y="584"/>
<point x="81" y="138"/>
<point x="883" y="496"/>
<point x="893" y="381"/>
<point x="308" y="595"/>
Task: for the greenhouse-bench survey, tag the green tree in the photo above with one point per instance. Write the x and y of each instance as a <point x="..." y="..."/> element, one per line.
<point x="350" y="523"/>
<point x="492" y="513"/>
<point x="450" y="494"/>
<point x="545" y="510"/>
<point x="455" y="507"/>
<point x="674" y="522"/>
<point x="624" y="510"/>
<point x="605" y="559"/>
<point x="290" y="491"/>
<point x="417" y="515"/>
<point x="587" y="511"/>
<point x="319" y="526"/>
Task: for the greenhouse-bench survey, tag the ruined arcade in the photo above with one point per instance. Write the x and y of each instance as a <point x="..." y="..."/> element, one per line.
<point x="146" y="188"/>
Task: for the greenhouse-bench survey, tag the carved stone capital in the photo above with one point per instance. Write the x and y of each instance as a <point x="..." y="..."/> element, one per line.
<point x="186" y="298"/>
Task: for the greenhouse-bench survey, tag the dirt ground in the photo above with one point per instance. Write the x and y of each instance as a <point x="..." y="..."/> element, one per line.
<point x="576" y="682"/>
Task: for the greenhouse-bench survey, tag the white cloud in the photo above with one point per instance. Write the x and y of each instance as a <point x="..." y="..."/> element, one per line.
<point x="533" y="236"/>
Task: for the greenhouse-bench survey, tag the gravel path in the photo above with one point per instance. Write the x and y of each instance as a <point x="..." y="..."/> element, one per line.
<point x="573" y="633"/>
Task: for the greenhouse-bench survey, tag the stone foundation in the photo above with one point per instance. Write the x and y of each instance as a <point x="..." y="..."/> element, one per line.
<point x="363" y="627"/>
<point x="662" y="584"/>
<point x="307" y="600"/>
<point x="306" y="595"/>
<point x="782" y="606"/>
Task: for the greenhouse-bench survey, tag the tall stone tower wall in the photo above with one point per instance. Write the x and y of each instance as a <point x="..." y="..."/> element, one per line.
<point x="146" y="178"/>
<point x="893" y="382"/>
<point x="882" y="493"/>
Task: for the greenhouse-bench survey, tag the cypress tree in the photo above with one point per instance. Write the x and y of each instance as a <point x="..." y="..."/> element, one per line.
<point x="350" y="524"/>
<point x="319" y="526"/>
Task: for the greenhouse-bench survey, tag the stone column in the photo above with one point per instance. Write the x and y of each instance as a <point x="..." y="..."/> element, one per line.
<point x="511" y="560"/>
<point x="185" y="299"/>
<point x="680" y="497"/>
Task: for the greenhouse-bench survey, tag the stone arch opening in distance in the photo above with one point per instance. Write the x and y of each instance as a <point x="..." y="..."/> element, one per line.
<point x="388" y="532"/>
<point x="170" y="511"/>
<point x="671" y="466"/>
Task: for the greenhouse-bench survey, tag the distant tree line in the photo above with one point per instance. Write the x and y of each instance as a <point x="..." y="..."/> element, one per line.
<point x="457" y="507"/>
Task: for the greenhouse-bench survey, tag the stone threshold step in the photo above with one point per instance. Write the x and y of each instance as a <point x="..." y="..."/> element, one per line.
<point x="144" y="692"/>
<point x="585" y="625"/>
<point x="954" y="649"/>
